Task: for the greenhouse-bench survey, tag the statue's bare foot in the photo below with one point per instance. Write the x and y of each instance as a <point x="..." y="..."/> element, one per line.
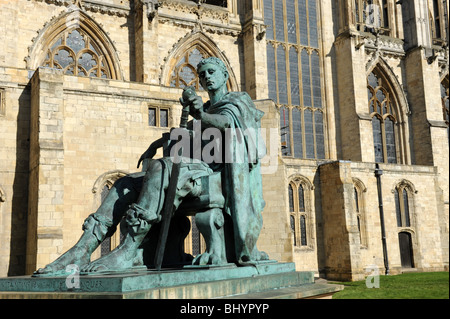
<point x="208" y="259"/>
<point x="74" y="256"/>
<point x="125" y="256"/>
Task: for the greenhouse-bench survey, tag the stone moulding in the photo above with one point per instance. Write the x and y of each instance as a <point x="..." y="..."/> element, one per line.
<point x="94" y="6"/>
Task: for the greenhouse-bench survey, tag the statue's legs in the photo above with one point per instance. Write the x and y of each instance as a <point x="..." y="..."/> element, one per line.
<point x="139" y="218"/>
<point x="99" y="225"/>
<point x="210" y="224"/>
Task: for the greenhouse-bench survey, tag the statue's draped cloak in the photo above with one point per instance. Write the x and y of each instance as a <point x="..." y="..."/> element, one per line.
<point x="241" y="176"/>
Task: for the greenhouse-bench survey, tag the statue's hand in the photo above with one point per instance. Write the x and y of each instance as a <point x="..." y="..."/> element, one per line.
<point x="195" y="106"/>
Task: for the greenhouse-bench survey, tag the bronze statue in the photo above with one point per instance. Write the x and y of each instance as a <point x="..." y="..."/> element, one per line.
<point x="222" y="188"/>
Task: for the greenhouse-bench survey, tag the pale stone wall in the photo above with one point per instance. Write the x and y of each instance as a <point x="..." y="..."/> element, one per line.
<point x="14" y="156"/>
<point x="275" y="237"/>
<point x="84" y="129"/>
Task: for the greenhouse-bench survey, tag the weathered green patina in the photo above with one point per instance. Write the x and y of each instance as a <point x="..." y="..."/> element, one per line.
<point x="222" y="189"/>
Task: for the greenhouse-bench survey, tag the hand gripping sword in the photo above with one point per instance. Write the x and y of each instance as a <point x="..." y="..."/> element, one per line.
<point x="169" y="210"/>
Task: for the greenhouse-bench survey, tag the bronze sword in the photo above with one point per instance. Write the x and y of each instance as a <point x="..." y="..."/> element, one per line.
<point x="172" y="188"/>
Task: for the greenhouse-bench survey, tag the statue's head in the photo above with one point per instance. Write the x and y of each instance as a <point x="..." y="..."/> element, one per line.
<point x="212" y="73"/>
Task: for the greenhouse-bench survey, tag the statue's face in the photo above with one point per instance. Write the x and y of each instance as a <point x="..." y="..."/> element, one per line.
<point x="212" y="77"/>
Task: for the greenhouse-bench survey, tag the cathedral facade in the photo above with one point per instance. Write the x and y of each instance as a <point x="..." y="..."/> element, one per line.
<point x="355" y="95"/>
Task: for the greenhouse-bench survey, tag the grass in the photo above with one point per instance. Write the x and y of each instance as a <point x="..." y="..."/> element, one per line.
<point x="430" y="285"/>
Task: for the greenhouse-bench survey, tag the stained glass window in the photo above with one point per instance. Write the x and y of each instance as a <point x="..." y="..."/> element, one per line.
<point x="406" y="208"/>
<point x="279" y="21"/>
<point x="184" y="73"/>
<point x="75" y="52"/>
<point x="309" y="133"/>
<point x="294" y="73"/>
<point x="355" y="196"/>
<point x="291" y="199"/>
<point x="303" y="17"/>
<point x="297" y="132"/>
<point x="282" y="80"/>
<point x="272" y="66"/>
<point x="303" y="241"/>
<point x="292" y="223"/>
<point x="398" y="212"/>
<point x="377" y="139"/>
<point x="383" y="120"/>
<point x="306" y="77"/>
<point x="301" y="198"/>
<point x="402" y="199"/>
<point x="315" y="79"/>
<point x="268" y="19"/>
<point x="295" y="88"/>
<point x="291" y="21"/>
<point x="320" y="137"/>
<point x="284" y="131"/>
<point x="300" y="210"/>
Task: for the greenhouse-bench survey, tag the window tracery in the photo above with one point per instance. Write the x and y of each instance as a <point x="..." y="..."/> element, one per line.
<point x="300" y="211"/>
<point x="294" y="75"/>
<point x="383" y="120"/>
<point x="184" y="73"/>
<point x="76" y="53"/>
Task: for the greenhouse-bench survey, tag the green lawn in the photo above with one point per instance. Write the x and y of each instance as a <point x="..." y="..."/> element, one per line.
<point x="431" y="285"/>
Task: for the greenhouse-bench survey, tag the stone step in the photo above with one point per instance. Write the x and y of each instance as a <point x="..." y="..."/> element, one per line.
<point x="308" y="291"/>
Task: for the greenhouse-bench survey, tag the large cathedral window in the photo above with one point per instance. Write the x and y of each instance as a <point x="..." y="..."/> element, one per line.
<point x="76" y="53"/>
<point x="383" y="120"/>
<point x="294" y="75"/>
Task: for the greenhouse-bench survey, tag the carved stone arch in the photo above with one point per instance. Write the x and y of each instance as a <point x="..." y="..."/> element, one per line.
<point x="205" y="44"/>
<point x="404" y="183"/>
<point x="301" y="179"/>
<point x="400" y="106"/>
<point x="381" y="67"/>
<point x="72" y="19"/>
<point x="358" y="183"/>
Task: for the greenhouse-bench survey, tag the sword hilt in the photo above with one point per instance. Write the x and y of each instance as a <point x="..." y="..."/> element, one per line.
<point x="187" y="94"/>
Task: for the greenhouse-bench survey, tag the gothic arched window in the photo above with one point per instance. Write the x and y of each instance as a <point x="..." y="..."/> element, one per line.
<point x="185" y="71"/>
<point x="383" y="120"/>
<point x="445" y="102"/>
<point x="75" y="52"/>
<point x="300" y="211"/>
<point x="359" y="205"/>
<point x="403" y="196"/>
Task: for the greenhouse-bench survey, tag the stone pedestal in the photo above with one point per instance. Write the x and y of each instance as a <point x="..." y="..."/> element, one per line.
<point x="265" y="280"/>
